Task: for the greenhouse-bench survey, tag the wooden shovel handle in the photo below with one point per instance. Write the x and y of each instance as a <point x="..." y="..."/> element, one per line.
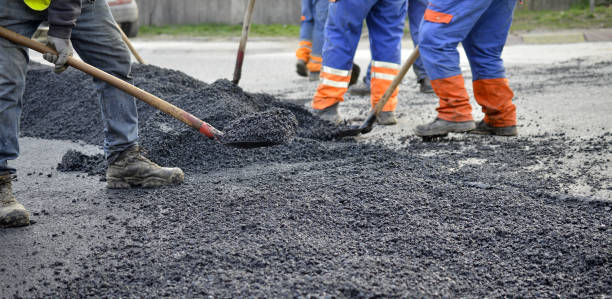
<point x="140" y="94"/>
<point x="130" y="45"/>
<point x="246" y="26"/>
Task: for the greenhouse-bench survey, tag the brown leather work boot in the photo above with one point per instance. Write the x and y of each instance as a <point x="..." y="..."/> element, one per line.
<point x="12" y="213"/>
<point x="132" y="169"/>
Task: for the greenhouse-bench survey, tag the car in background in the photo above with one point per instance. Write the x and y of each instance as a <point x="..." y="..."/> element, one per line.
<point x="125" y="13"/>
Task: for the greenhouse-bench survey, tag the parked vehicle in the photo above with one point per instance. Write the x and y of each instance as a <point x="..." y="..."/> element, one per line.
<point x="125" y="13"/>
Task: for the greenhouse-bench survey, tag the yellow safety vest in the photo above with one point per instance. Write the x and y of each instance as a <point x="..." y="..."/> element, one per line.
<point x="38" y="5"/>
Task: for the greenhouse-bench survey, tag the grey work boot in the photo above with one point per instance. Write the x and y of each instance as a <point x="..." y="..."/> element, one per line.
<point x="300" y="68"/>
<point x="329" y="114"/>
<point x="360" y="89"/>
<point x="386" y="118"/>
<point x="132" y="169"/>
<point x="440" y="127"/>
<point x="483" y="129"/>
<point x="12" y="213"/>
<point x="314" y="76"/>
<point x="425" y="86"/>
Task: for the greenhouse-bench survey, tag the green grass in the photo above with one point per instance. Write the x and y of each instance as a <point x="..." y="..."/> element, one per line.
<point x="574" y="18"/>
<point x="219" y="30"/>
<point x="577" y="17"/>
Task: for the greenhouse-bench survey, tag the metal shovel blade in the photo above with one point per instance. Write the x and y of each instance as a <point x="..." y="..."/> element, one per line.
<point x="364" y="128"/>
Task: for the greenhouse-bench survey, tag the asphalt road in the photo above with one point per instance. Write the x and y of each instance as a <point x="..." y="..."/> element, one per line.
<point x="562" y="91"/>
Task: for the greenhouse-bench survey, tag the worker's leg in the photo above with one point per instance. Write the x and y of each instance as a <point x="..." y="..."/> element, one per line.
<point x="416" y="10"/>
<point x="15" y="16"/>
<point x="362" y="88"/>
<point x="368" y="77"/>
<point x="445" y="24"/>
<point x="318" y="35"/>
<point x="305" y="46"/>
<point x="98" y="42"/>
<point x="386" y="26"/>
<point x="342" y="34"/>
<point x="483" y="47"/>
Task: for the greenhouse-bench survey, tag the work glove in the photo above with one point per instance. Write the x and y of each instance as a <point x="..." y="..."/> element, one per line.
<point x="63" y="46"/>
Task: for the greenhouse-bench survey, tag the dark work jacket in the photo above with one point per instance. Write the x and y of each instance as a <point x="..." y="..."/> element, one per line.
<point x="62" y="17"/>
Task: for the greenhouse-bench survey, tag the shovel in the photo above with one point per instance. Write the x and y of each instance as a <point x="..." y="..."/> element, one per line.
<point x="165" y="107"/>
<point x="368" y="124"/>
<point x="129" y="44"/>
<point x="246" y="26"/>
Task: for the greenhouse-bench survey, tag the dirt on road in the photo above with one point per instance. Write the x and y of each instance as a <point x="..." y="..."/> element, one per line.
<point x="389" y="216"/>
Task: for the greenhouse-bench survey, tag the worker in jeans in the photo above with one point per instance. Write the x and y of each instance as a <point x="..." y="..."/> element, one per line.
<point x="482" y="28"/>
<point x="90" y="27"/>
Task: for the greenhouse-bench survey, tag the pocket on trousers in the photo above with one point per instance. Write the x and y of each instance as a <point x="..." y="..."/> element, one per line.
<point x="437" y="17"/>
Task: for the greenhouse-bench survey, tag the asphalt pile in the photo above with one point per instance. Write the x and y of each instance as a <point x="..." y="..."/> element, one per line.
<point x="467" y="216"/>
<point x="70" y="100"/>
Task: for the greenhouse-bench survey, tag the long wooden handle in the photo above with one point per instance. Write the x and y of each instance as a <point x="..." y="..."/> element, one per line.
<point x="142" y="95"/>
<point x="246" y="26"/>
<point x="397" y="80"/>
<point x="129" y="44"/>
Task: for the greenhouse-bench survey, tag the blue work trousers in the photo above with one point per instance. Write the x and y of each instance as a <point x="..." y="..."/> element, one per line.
<point x="385" y="20"/>
<point x="480" y="26"/>
<point x="98" y="42"/>
<point x="312" y="29"/>
<point x="416" y="9"/>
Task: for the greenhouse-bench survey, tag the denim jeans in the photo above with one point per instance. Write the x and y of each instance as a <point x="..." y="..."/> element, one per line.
<point x="98" y="42"/>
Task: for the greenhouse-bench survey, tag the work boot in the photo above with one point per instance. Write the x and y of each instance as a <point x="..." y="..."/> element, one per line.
<point x="360" y="89"/>
<point x="482" y="128"/>
<point x="132" y="169"/>
<point x="386" y="118"/>
<point x="300" y="68"/>
<point x="329" y="114"/>
<point x="425" y="86"/>
<point x="314" y="76"/>
<point x="355" y="71"/>
<point x="12" y="213"/>
<point x="440" y="127"/>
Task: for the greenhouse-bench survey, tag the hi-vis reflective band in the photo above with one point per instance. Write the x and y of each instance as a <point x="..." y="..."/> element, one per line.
<point x="305" y="44"/>
<point x="38" y="5"/>
<point x="333" y="71"/>
<point x="384" y="70"/>
<point x="389" y="65"/>
<point x="335" y="77"/>
<point x="383" y="76"/>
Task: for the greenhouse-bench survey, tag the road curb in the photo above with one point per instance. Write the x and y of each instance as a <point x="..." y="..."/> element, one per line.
<point x="561" y="37"/>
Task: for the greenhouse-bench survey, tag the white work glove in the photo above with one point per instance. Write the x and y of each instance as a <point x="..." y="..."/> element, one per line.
<point x="63" y="46"/>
